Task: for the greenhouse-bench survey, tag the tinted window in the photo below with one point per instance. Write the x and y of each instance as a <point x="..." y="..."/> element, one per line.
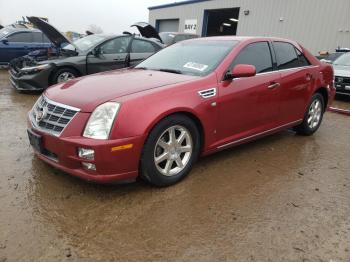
<point x="37" y="37"/>
<point x="116" y="46"/>
<point x="140" y="46"/>
<point x="24" y="37"/>
<point x="256" y="54"/>
<point x="285" y="55"/>
<point x="302" y="59"/>
<point x="45" y="39"/>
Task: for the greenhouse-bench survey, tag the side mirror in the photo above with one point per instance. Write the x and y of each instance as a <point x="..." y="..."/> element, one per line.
<point x="241" y="70"/>
<point x="5" y="41"/>
<point x="96" y="52"/>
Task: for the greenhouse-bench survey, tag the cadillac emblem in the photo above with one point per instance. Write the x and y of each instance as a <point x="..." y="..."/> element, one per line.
<point x="40" y="115"/>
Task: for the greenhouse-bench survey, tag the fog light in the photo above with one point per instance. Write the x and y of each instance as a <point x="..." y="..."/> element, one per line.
<point x="86" y="153"/>
<point x="88" y="166"/>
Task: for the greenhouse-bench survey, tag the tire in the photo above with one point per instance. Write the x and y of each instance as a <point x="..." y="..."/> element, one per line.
<point x="64" y="74"/>
<point x="168" y="171"/>
<point x="313" y="116"/>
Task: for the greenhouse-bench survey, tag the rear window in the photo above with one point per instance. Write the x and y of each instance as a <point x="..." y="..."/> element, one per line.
<point x="286" y="55"/>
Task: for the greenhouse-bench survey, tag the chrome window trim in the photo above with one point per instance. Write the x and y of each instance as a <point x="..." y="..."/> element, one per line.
<point x="258" y="134"/>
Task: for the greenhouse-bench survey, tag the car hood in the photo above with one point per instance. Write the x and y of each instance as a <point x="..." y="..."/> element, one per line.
<point x="147" y="31"/>
<point x="55" y="36"/>
<point x="88" y="92"/>
<point x="341" y="70"/>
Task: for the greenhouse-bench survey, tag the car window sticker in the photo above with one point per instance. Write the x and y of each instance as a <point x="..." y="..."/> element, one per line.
<point x="195" y="66"/>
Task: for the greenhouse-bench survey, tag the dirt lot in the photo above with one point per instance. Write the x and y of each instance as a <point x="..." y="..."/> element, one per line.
<point x="283" y="198"/>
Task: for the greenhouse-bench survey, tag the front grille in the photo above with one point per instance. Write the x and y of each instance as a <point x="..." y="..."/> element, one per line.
<point x="342" y="80"/>
<point x="51" y="117"/>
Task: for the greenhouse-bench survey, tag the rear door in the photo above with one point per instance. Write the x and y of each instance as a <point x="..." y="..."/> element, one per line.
<point x="296" y="80"/>
<point x="250" y="105"/>
<point x="112" y="54"/>
<point x="140" y="50"/>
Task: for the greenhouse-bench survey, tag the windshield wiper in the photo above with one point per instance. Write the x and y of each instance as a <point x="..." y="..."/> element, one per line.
<point x="170" y="70"/>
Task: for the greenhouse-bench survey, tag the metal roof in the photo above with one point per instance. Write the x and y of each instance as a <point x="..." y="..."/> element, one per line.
<point x="176" y="4"/>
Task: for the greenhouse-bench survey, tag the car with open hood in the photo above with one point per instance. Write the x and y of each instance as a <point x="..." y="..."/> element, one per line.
<point x="91" y="54"/>
<point x="153" y="121"/>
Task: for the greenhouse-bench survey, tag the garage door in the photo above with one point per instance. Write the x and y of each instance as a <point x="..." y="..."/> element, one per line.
<point x="168" y="25"/>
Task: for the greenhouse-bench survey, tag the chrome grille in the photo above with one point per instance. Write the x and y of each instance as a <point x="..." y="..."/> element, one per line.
<point x="51" y="117"/>
<point x="207" y="93"/>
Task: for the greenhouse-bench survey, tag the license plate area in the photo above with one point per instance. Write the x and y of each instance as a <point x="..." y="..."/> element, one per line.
<point x="347" y="88"/>
<point x="36" y="141"/>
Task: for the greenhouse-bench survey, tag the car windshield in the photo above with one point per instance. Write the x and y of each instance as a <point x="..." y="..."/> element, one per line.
<point x="344" y="60"/>
<point x="85" y="43"/>
<point x="199" y="57"/>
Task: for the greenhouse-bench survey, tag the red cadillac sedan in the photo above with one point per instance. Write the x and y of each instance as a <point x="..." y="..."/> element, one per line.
<point x="191" y="99"/>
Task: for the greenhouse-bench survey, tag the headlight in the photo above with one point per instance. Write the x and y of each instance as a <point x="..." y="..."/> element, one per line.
<point x="101" y="121"/>
<point x="33" y="69"/>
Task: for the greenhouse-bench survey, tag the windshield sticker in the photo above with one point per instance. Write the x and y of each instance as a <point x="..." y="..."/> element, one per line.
<point x="171" y="35"/>
<point x="195" y="66"/>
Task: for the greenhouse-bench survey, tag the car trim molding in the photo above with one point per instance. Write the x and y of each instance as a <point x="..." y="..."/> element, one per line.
<point x="207" y="93"/>
<point x="258" y="134"/>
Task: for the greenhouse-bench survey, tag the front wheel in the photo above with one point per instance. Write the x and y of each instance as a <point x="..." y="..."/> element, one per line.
<point x="313" y="116"/>
<point x="64" y="74"/>
<point x="170" y="151"/>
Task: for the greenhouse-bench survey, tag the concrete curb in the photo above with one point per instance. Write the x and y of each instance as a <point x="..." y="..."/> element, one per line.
<point x="339" y="111"/>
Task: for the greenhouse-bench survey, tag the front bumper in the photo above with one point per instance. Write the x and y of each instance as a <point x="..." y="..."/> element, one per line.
<point x="111" y="165"/>
<point x="30" y="82"/>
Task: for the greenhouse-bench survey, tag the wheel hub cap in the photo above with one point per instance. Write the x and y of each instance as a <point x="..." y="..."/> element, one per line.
<point x="315" y="114"/>
<point x="173" y="150"/>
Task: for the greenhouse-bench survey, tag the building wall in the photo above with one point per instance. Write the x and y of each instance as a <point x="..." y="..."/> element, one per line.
<point x="317" y="24"/>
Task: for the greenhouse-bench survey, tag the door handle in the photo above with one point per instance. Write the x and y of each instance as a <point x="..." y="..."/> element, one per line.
<point x="274" y="85"/>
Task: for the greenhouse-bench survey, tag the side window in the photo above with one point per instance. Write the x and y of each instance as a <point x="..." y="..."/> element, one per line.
<point x="302" y="59"/>
<point x="179" y="38"/>
<point x="45" y="39"/>
<point x="141" y="46"/>
<point x="115" y="46"/>
<point x="24" y="37"/>
<point x="37" y="37"/>
<point x="256" y="54"/>
<point x="285" y="55"/>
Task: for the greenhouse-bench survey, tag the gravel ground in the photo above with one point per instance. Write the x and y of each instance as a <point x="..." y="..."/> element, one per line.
<point x="282" y="198"/>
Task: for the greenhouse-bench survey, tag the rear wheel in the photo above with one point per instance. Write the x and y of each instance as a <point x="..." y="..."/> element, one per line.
<point x="170" y="150"/>
<point x="64" y="74"/>
<point x="313" y="116"/>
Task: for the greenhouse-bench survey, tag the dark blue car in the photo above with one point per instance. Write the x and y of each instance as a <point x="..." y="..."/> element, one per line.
<point x="17" y="42"/>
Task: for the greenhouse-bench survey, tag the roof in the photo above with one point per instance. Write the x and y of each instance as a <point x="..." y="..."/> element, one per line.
<point x="176" y="4"/>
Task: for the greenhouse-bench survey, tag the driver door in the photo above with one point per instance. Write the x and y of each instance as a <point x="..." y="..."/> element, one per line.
<point x="250" y="105"/>
<point x="112" y="54"/>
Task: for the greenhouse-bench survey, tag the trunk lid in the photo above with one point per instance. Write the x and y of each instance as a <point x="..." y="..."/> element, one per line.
<point x="147" y="31"/>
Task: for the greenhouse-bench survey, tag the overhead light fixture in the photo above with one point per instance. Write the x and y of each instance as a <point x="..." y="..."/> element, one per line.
<point x="226" y="24"/>
<point x="234" y="19"/>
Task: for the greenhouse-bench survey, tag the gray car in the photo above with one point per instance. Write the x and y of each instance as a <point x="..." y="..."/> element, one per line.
<point x="91" y="54"/>
<point x="342" y="74"/>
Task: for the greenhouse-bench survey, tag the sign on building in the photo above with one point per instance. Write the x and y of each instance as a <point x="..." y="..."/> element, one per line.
<point x="191" y="26"/>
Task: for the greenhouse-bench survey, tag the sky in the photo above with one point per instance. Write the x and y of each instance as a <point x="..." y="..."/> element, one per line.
<point x="113" y="16"/>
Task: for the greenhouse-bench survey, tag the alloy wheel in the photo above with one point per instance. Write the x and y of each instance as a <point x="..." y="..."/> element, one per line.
<point x="173" y="150"/>
<point x="315" y="114"/>
<point x="65" y="76"/>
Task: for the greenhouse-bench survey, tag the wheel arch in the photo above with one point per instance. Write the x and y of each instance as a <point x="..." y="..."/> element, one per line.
<point x="58" y="67"/>
<point x="324" y="92"/>
<point x="181" y="111"/>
